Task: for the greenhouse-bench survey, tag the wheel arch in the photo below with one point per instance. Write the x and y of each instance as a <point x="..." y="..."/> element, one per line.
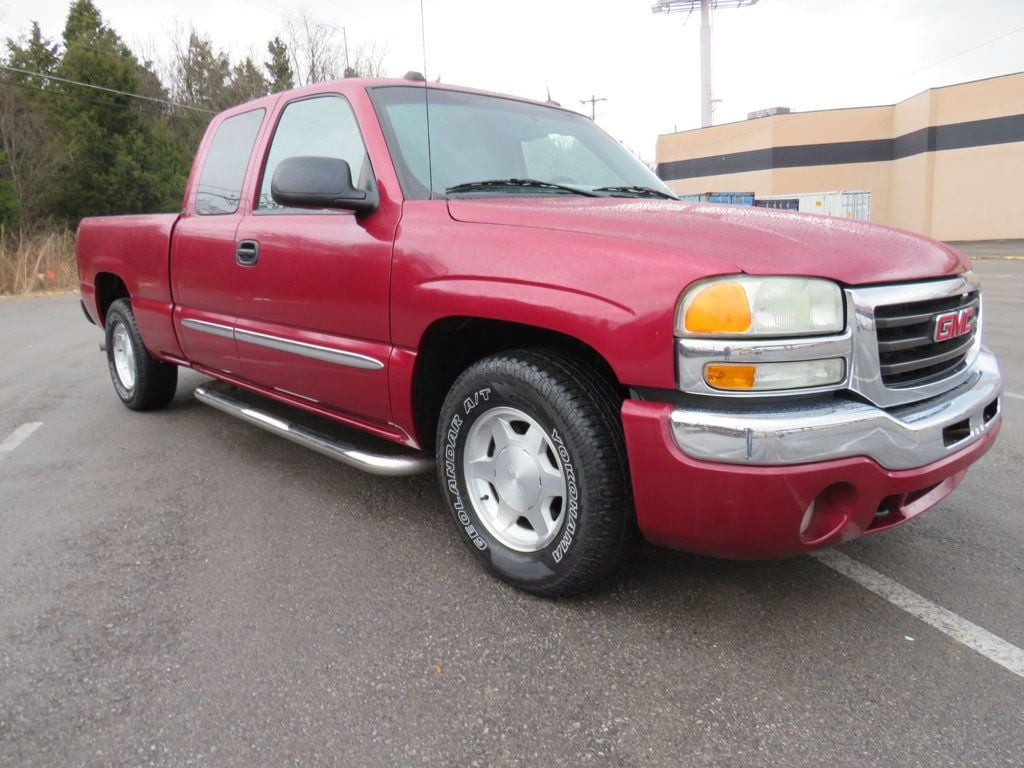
<point x="109" y="288"/>
<point x="451" y="344"/>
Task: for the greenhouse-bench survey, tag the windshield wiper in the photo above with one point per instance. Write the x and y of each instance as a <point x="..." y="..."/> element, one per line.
<point x="638" y="191"/>
<point x="476" y="186"/>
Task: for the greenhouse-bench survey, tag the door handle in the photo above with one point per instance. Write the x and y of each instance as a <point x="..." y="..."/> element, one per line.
<point x="247" y="253"/>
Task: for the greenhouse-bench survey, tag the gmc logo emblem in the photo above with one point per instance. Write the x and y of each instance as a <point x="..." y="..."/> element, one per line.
<point x="949" y="325"/>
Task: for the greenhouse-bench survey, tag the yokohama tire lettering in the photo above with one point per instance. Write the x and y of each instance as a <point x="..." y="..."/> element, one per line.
<point x="572" y="489"/>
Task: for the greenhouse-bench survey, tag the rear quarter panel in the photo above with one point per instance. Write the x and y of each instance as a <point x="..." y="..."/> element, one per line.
<point x="135" y="249"/>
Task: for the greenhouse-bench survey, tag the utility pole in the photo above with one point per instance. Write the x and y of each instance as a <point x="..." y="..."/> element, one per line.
<point x="705" y="64"/>
<point x="344" y="37"/>
<point x="592" y="101"/>
<point x="706" y="6"/>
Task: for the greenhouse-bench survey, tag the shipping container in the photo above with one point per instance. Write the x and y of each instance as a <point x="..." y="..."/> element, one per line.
<point x="778" y="203"/>
<point x="728" y="198"/>
<point x="849" y="204"/>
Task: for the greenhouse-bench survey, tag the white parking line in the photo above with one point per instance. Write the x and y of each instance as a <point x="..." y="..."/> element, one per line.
<point x="19" y="436"/>
<point x="1014" y="395"/>
<point x="981" y="640"/>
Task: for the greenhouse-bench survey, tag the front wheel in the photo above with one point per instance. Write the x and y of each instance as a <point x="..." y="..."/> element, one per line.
<point x="142" y="382"/>
<point x="533" y="464"/>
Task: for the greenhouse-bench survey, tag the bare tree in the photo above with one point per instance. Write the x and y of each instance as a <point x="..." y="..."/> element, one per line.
<point x="33" y="154"/>
<point x="366" y="60"/>
<point x="317" y="49"/>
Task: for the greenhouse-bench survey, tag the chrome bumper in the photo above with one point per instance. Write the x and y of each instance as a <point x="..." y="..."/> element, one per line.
<point x="897" y="438"/>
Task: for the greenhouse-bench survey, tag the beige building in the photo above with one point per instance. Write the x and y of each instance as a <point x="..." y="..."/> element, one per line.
<point x="948" y="162"/>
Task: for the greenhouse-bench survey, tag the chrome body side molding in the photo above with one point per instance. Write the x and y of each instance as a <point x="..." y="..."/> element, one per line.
<point x="214" y="329"/>
<point x="302" y="348"/>
<point x="315" y="351"/>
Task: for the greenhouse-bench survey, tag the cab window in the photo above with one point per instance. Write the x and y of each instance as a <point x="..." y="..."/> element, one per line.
<point x="220" y="182"/>
<point x="324" y="126"/>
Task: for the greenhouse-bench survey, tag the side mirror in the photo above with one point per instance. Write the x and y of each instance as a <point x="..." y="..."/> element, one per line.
<point x="319" y="182"/>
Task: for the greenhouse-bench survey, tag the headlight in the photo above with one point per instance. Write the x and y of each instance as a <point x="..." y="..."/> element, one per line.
<point x="761" y="306"/>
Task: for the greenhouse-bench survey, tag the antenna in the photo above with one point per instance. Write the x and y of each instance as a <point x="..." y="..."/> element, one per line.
<point x="426" y="101"/>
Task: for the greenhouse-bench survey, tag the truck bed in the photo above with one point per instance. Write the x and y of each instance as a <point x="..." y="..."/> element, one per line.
<point x="137" y="249"/>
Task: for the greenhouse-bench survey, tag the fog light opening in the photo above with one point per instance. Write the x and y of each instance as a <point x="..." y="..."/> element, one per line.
<point x="806" y="522"/>
<point x="991" y="410"/>
<point x="954" y="433"/>
<point x="828" y="513"/>
<point x="889" y="512"/>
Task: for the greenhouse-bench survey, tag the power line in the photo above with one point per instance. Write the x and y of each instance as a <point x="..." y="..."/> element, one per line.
<point x="961" y="53"/>
<point x="83" y="99"/>
<point x="346" y="9"/>
<point x="285" y="15"/>
<point x="150" y="99"/>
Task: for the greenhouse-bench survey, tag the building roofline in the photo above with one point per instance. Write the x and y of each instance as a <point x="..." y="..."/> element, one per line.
<point x="845" y="109"/>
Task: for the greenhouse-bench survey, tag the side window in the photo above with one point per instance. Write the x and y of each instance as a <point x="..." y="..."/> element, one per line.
<point x="220" y="183"/>
<point x="324" y="126"/>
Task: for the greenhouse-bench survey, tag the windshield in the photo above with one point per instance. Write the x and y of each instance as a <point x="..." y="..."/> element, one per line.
<point x="476" y="138"/>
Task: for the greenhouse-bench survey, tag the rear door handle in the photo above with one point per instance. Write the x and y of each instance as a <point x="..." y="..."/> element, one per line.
<point x="247" y="253"/>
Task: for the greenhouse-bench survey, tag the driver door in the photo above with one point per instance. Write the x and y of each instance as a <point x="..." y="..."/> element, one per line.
<point x="312" y="306"/>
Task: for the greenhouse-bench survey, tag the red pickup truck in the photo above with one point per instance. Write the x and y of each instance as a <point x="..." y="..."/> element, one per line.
<point x="501" y="291"/>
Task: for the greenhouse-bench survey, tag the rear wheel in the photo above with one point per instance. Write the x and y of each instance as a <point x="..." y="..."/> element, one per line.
<point x="142" y="382"/>
<point x="533" y="464"/>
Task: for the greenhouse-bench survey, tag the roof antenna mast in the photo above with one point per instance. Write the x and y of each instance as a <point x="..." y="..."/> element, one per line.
<point x="426" y="100"/>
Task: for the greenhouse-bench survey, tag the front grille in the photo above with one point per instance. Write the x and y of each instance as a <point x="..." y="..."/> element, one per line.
<point x="907" y="352"/>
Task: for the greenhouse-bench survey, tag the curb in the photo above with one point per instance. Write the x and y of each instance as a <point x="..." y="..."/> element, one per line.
<point x="996" y="258"/>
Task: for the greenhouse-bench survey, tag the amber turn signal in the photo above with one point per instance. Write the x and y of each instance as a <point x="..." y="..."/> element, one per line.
<point x="719" y="308"/>
<point x="726" y="376"/>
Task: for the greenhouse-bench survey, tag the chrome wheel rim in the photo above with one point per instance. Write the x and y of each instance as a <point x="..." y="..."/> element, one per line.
<point x="124" y="356"/>
<point x="515" y="479"/>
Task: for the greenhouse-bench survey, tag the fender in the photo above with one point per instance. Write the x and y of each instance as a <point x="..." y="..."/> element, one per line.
<point x="137" y="250"/>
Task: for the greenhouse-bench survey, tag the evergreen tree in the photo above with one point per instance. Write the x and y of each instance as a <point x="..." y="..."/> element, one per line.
<point x="68" y="150"/>
<point x="279" y="68"/>
<point x="116" y="161"/>
<point x="37" y="54"/>
<point x="247" y="82"/>
<point x="203" y="75"/>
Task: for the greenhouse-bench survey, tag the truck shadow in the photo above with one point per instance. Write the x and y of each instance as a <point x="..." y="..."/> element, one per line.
<point x="654" y="587"/>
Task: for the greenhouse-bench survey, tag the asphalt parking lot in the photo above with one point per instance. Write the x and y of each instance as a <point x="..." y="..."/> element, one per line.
<point x="179" y="589"/>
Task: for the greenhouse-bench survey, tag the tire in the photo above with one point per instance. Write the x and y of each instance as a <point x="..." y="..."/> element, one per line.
<point x="142" y="382"/>
<point x="511" y="426"/>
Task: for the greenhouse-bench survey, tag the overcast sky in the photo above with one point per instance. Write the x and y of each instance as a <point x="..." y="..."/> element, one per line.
<point x="804" y="54"/>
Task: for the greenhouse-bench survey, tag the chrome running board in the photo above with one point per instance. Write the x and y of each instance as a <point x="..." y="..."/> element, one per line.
<point x="374" y="463"/>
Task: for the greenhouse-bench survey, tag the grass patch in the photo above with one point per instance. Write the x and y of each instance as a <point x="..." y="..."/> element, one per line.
<point x="40" y="263"/>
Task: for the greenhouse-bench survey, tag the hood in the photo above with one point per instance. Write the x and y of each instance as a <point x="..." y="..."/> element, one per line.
<point x="740" y="239"/>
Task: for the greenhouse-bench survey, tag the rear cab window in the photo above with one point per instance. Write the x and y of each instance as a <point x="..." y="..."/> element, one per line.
<point x="220" y="182"/>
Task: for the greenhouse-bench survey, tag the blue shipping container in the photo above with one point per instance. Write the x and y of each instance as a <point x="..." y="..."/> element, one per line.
<point x="729" y="198"/>
<point x="733" y="198"/>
